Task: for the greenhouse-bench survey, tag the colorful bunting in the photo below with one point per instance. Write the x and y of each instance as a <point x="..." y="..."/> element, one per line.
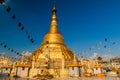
<point x="22" y="28"/>
<point x="19" y="24"/>
<point x="32" y="40"/>
<point x="28" y="36"/>
<point x="14" y="16"/>
<point x="5" y="46"/>
<point x="2" y="1"/>
<point x="17" y="53"/>
<point x="105" y="46"/>
<point x="8" y="9"/>
<point x="12" y="50"/>
<point x="106" y="39"/>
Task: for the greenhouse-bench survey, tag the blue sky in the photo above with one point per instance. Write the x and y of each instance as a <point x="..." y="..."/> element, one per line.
<point x="84" y="24"/>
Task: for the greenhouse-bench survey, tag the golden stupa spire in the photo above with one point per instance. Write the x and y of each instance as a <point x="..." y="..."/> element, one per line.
<point x="53" y="36"/>
<point x="53" y="26"/>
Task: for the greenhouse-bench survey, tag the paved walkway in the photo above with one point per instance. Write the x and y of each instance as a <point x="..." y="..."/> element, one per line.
<point x="88" y="78"/>
<point x="65" y="78"/>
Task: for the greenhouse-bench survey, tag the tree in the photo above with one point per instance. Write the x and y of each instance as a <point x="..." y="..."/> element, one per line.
<point x="99" y="58"/>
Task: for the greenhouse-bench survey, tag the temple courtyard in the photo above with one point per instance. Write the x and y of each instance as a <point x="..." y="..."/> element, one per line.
<point x="66" y="78"/>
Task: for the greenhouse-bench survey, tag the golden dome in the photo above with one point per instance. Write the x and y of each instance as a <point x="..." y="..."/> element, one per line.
<point x="53" y="38"/>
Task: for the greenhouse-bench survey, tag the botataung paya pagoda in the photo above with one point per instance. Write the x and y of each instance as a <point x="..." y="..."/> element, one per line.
<point x="53" y="45"/>
<point x="53" y="51"/>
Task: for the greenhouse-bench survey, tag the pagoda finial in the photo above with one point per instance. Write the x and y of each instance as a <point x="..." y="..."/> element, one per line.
<point x="53" y="26"/>
<point x="75" y="58"/>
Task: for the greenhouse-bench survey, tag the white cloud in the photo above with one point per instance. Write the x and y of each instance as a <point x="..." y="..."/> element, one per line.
<point x="26" y="53"/>
<point x="104" y="56"/>
<point x="2" y="54"/>
<point x="94" y="55"/>
<point x="107" y="56"/>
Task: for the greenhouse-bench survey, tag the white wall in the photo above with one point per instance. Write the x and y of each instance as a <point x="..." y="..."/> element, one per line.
<point x="22" y="72"/>
<point x="6" y="70"/>
<point x="97" y="70"/>
<point x="74" y="71"/>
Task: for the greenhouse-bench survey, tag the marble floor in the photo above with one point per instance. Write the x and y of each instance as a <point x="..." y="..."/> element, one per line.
<point x="66" y="78"/>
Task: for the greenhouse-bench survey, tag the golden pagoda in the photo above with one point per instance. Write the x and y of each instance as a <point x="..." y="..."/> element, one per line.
<point x="53" y="49"/>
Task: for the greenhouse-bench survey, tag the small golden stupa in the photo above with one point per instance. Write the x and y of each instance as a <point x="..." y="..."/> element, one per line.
<point x="53" y="49"/>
